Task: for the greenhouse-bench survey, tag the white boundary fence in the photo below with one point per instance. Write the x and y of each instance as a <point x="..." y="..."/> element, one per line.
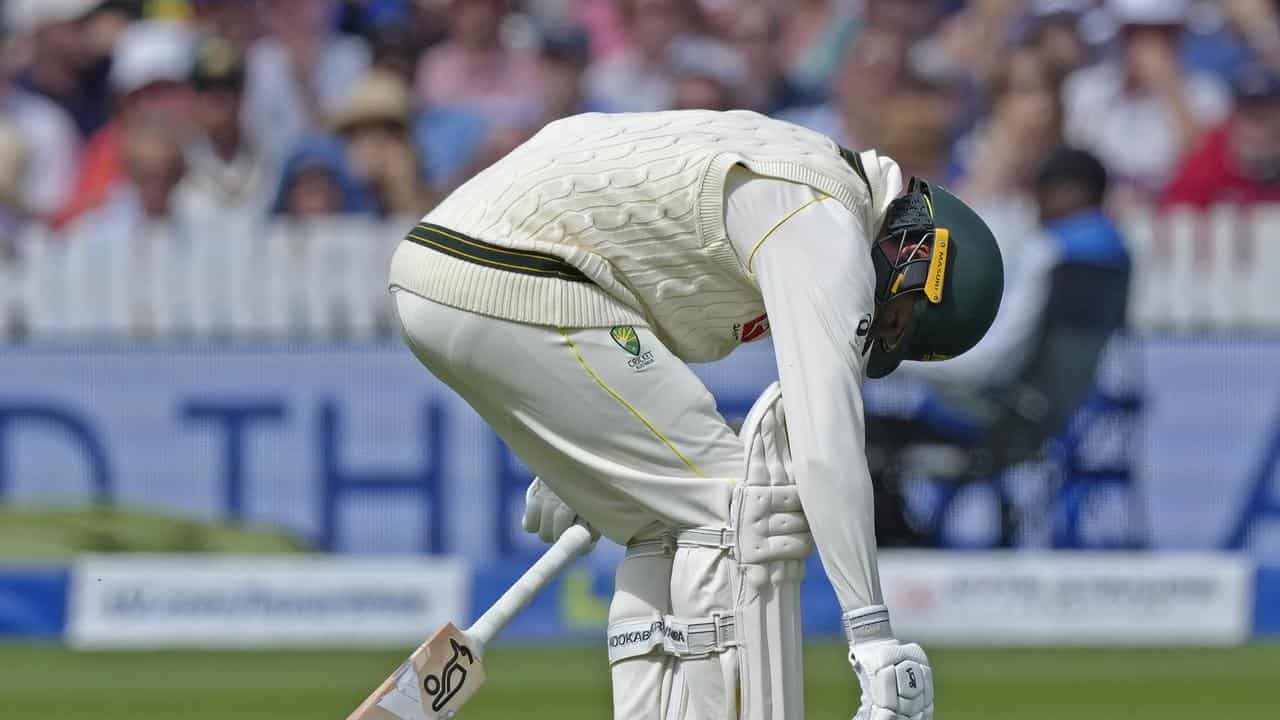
<point x="1213" y="271"/>
<point x="316" y="279"/>
<point x="1194" y="272"/>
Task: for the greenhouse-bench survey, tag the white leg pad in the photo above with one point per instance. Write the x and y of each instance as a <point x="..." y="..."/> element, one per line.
<point x="773" y="540"/>
<point x="701" y="588"/>
<point x="724" y="641"/>
<point x="641" y="683"/>
<point x="681" y="664"/>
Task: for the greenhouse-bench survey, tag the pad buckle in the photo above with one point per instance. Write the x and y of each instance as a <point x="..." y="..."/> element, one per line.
<point x="724" y="631"/>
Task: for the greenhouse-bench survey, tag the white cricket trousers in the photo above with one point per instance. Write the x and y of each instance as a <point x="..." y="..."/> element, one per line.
<point x="629" y="438"/>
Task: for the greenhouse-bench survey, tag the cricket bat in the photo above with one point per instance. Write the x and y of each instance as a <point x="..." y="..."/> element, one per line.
<point x="446" y="671"/>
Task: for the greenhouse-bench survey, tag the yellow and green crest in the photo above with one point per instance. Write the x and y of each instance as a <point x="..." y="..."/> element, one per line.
<point x="626" y="337"/>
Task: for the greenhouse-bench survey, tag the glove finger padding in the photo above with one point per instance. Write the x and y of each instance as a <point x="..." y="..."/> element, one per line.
<point x="547" y="516"/>
<point x="547" y="525"/>
<point x="532" y="507"/>
<point x="561" y="520"/>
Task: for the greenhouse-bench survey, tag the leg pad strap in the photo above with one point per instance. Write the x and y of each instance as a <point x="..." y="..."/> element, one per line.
<point x="678" y="637"/>
<point x="715" y="538"/>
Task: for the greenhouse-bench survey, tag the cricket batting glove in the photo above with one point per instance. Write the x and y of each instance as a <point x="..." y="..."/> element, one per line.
<point x="897" y="682"/>
<point x="545" y="514"/>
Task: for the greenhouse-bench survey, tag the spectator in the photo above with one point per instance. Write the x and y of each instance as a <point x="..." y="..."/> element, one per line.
<point x="226" y="173"/>
<point x="149" y="72"/>
<point x="1140" y="111"/>
<point x="970" y="44"/>
<point x="62" y="65"/>
<point x="395" y="50"/>
<point x="917" y="129"/>
<point x="377" y="14"/>
<point x="474" y="69"/>
<point x="458" y="140"/>
<point x="562" y="64"/>
<point x="1258" y="23"/>
<point x="151" y="154"/>
<point x="910" y="18"/>
<point x="14" y="161"/>
<point x="998" y="161"/>
<point x="754" y="31"/>
<point x="874" y="71"/>
<point x="235" y="21"/>
<point x="1055" y="31"/>
<point x="1023" y="124"/>
<point x="48" y="144"/>
<point x="451" y="140"/>
<point x="813" y="39"/>
<point x="123" y="253"/>
<point x="299" y="74"/>
<point x="638" y="77"/>
<point x="316" y="182"/>
<point x="107" y="23"/>
<point x="1239" y="161"/>
<point x="708" y="76"/>
<point x="375" y="125"/>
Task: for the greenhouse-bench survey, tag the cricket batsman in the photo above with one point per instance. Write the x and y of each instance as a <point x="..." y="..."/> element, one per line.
<point x="562" y="291"/>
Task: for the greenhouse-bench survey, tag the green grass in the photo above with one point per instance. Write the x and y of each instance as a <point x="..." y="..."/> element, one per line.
<point x="572" y="684"/>
<point x="47" y="535"/>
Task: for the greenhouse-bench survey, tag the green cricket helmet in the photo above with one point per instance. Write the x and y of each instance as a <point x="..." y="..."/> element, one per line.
<point x="934" y="245"/>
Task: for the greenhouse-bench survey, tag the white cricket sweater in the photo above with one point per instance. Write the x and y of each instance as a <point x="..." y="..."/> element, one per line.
<point x="636" y="202"/>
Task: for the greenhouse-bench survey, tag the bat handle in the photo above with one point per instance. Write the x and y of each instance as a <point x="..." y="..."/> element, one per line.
<point x="573" y="543"/>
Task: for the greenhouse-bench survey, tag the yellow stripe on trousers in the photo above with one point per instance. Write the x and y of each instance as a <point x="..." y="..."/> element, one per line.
<point x="631" y="408"/>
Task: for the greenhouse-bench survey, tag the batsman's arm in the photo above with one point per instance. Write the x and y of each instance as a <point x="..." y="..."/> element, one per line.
<point x="814" y="270"/>
<point x="818" y="289"/>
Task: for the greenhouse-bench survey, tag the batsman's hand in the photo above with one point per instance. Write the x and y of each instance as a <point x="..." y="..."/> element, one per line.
<point x="897" y="682"/>
<point x="546" y="515"/>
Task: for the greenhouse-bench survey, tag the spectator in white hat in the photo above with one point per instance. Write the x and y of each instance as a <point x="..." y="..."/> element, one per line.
<point x="1139" y="111"/>
<point x="124" y="250"/>
<point x="149" y="72"/>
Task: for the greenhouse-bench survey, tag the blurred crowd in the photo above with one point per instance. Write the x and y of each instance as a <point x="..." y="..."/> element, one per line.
<point x="113" y="112"/>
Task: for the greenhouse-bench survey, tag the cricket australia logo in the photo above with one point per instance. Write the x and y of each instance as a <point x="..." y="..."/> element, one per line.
<point x="453" y="676"/>
<point x="627" y="339"/>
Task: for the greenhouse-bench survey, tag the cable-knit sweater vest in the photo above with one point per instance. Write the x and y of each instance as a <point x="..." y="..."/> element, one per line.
<point x="636" y="202"/>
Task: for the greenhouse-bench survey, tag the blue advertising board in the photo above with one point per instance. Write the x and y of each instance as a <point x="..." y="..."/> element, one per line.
<point x="353" y="448"/>
<point x="358" y="449"/>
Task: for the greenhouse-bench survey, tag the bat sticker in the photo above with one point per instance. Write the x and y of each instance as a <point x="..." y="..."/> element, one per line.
<point x="453" y="676"/>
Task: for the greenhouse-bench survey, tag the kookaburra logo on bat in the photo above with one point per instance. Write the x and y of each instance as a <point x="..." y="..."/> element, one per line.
<point x="452" y="676"/>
